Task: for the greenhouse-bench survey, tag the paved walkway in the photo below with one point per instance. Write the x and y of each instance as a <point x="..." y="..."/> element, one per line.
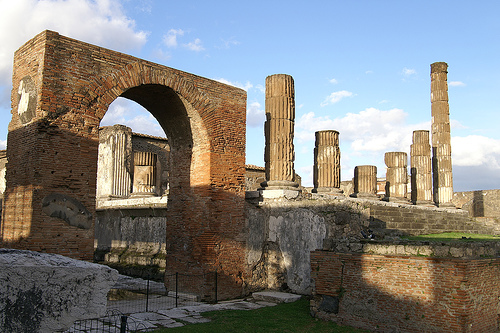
<point x="164" y="313"/>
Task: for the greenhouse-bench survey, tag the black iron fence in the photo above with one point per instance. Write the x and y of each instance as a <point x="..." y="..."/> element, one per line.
<point x="146" y="295"/>
<point x="113" y="322"/>
<point x="178" y="290"/>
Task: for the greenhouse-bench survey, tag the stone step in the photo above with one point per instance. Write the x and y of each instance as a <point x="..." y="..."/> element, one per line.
<point x="275" y="297"/>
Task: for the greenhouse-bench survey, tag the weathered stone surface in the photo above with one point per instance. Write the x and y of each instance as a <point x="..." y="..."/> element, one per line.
<point x="365" y="181"/>
<point x="327" y="162"/>
<point x="72" y="211"/>
<point x="441" y="137"/>
<point x="421" y="168"/>
<point x="46" y="292"/>
<point x="279" y="130"/>
<point x="396" y="176"/>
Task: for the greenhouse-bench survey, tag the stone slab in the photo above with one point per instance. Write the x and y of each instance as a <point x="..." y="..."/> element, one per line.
<point x="277" y="194"/>
<point x="276" y="297"/>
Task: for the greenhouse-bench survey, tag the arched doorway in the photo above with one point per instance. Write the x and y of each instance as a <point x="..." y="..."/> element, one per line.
<point x="49" y="202"/>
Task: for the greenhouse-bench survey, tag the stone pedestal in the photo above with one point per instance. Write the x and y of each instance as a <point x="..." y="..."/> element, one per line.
<point x="144" y="174"/>
<point x="327" y="163"/>
<point x="396" y="186"/>
<point x="365" y="182"/>
<point x="421" y="169"/>
<point x="279" y="128"/>
<point x="441" y="139"/>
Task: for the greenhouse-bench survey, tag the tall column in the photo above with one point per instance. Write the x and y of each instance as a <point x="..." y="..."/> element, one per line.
<point x="114" y="162"/>
<point x="144" y="173"/>
<point x="327" y="162"/>
<point x="279" y="127"/>
<point x="365" y="182"/>
<point x="396" y="186"/>
<point x="441" y="139"/>
<point x="421" y="169"/>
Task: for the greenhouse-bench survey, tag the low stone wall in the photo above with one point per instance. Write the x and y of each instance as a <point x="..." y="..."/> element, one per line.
<point x="483" y="203"/>
<point x="42" y="292"/>
<point x="132" y="240"/>
<point x="281" y="233"/>
<point x="393" y="293"/>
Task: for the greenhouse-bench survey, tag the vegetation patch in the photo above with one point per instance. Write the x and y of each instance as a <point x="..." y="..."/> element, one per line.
<point x="289" y="317"/>
<point x="454" y="236"/>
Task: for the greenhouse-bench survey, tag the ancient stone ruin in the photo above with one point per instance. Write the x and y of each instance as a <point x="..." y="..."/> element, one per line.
<point x="180" y="204"/>
<point x="327" y="162"/>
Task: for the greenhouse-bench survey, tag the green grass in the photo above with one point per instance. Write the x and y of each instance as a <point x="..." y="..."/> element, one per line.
<point x="289" y="317"/>
<point x="454" y="236"/>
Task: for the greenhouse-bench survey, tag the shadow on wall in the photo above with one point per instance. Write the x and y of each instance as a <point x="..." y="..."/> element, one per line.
<point x="407" y="294"/>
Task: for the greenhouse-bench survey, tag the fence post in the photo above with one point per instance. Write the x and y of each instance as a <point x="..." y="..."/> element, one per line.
<point x="123" y="326"/>
<point x="215" y="285"/>
<point x="176" y="290"/>
<point x="147" y="296"/>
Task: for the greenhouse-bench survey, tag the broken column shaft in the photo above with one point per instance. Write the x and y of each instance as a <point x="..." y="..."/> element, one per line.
<point x="396" y="187"/>
<point x="441" y="138"/>
<point x="327" y="162"/>
<point x="365" y="181"/>
<point x="421" y="169"/>
<point x="279" y="128"/>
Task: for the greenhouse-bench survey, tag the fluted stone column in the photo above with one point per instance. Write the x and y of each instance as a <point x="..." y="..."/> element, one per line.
<point x="421" y="169"/>
<point x="114" y="162"/>
<point x="441" y="138"/>
<point x="326" y="176"/>
<point x="144" y="173"/>
<point x="396" y="186"/>
<point x="365" y="182"/>
<point x="279" y="128"/>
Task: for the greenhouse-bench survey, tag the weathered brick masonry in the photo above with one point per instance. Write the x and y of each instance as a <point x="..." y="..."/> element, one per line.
<point x="54" y="150"/>
<point x="406" y="294"/>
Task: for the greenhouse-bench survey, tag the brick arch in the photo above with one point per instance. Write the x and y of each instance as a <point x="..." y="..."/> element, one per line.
<point x="52" y="155"/>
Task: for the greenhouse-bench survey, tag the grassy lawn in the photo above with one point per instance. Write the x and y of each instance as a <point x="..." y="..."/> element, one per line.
<point x="454" y="236"/>
<point x="289" y="317"/>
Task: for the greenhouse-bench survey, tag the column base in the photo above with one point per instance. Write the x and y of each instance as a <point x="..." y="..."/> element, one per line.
<point x="279" y="185"/>
<point x="279" y="193"/>
<point x="369" y="196"/>
<point x="397" y="200"/>
<point x="446" y="205"/>
<point x="328" y="190"/>
<point x="425" y="203"/>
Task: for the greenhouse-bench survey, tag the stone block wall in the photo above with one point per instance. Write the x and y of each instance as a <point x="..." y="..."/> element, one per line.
<point x="385" y="293"/>
<point x="483" y="203"/>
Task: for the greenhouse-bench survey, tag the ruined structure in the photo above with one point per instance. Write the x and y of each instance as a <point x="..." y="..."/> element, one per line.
<point x="62" y="89"/>
<point x="279" y="129"/>
<point x="365" y="181"/>
<point x="421" y="169"/>
<point x="396" y="176"/>
<point x="327" y="162"/>
<point x="441" y="139"/>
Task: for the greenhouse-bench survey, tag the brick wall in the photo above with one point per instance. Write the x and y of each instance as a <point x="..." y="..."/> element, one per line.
<point x="406" y="294"/>
<point x="56" y="152"/>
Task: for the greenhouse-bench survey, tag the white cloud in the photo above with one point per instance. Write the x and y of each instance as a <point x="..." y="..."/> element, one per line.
<point x="100" y="22"/>
<point x="456" y="84"/>
<point x="194" y="45"/>
<point x="170" y="39"/>
<point x="227" y="43"/>
<point x="335" y="97"/>
<point x="247" y="86"/>
<point x="333" y="81"/>
<point x="3" y="144"/>
<point x="371" y="130"/>
<point x="126" y="112"/>
<point x="255" y="115"/>
<point x="475" y="150"/>
<point x="408" y="71"/>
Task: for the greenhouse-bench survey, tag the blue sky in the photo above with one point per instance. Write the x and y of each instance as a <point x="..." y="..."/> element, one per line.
<point x="360" y="67"/>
